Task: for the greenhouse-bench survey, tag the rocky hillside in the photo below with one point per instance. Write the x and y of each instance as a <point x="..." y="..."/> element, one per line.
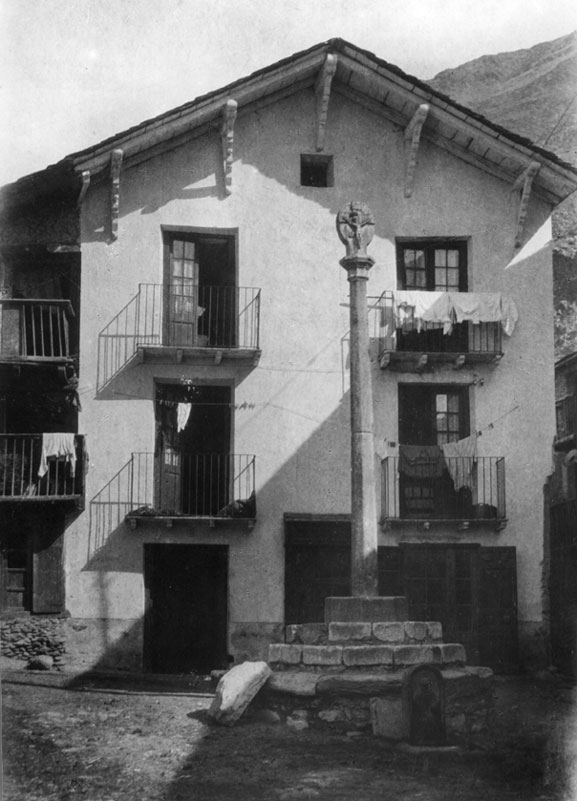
<point x="534" y="93"/>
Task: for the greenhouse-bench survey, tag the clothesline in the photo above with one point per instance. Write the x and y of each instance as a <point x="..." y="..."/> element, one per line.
<point x="415" y="307"/>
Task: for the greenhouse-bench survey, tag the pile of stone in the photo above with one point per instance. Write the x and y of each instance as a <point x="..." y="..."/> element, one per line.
<point x="28" y="638"/>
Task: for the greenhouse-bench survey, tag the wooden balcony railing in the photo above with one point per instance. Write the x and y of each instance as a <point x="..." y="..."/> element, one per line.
<point x="179" y="484"/>
<point x="455" y="489"/>
<point x="160" y="317"/>
<point x="30" y="473"/>
<point x="34" y="330"/>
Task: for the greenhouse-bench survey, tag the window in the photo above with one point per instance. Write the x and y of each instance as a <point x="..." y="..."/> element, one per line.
<point x="428" y="266"/>
<point x="432" y="415"/>
<point x="317" y="171"/>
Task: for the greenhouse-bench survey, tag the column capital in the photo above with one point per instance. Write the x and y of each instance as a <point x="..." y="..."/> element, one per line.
<point x="357" y="266"/>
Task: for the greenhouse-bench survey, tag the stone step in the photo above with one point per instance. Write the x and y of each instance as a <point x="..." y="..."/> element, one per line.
<point x="352" y="656"/>
<point x="373" y="609"/>
<point x="301" y="683"/>
<point x="343" y="633"/>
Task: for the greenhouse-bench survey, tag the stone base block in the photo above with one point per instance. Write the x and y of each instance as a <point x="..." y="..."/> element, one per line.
<point x="366" y="609"/>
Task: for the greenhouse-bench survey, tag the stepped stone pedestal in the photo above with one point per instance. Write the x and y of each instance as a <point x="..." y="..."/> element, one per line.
<point x="377" y="673"/>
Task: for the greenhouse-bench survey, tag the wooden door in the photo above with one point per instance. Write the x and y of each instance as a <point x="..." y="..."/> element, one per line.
<point x="182" y="295"/>
<point x="471" y="590"/>
<point x="317" y="566"/>
<point x="185" y="624"/>
<point x="498" y="642"/>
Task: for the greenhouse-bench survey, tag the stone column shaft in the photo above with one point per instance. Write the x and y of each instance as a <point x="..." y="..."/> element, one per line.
<point x="364" y="570"/>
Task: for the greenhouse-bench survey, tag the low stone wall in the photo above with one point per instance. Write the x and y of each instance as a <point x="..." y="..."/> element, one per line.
<point x="359" y="702"/>
<point x="26" y="637"/>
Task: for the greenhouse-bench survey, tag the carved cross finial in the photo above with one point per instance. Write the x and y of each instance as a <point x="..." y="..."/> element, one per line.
<point x="356" y="227"/>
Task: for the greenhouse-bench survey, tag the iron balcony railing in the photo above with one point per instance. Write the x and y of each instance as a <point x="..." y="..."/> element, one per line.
<point x="193" y="485"/>
<point x="457" y="488"/>
<point x="29" y="471"/>
<point x="34" y="329"/>
<point x="172" y="315"/>
<point x="416" y="336"/>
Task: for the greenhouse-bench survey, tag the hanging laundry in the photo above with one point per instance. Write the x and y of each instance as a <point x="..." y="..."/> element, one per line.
<point x="182" y="414"/>
<point x="460" y="460"/>
<point x="55" y="446"/>
<point x="420" y="461"/>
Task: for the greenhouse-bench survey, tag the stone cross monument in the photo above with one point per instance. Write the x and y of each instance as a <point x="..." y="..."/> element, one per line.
<point x="355" y="226"/>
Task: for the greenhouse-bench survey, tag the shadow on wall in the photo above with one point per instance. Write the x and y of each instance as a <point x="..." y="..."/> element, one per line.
<point x="115" y="549"/>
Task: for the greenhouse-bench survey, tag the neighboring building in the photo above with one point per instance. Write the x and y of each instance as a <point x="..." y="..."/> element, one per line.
<point x="187" y="272"/>
<point x="561" y="540"/>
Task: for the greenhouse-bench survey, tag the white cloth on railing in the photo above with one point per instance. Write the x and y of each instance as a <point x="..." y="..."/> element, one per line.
<point x="57" y="445"/>
<point x="460" y="459"/>
<point x="182" y="415"/>
<point x="412" y="308"/>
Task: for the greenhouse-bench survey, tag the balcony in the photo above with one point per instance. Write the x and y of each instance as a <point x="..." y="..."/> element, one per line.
<point x="566" y="419"/>
<point x="461" y="491"/>
<point x="174" y="486"/>
<point x="35" y="331"/>
<point x="162" y="323"/>
<point x="29" y="473"/>
<point x="408" y="341"/>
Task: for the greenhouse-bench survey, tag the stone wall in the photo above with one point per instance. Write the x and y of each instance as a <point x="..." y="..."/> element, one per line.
<point x="24" y="638"/>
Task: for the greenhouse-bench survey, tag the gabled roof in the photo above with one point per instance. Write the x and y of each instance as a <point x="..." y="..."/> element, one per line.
<point x="360" y="76"/>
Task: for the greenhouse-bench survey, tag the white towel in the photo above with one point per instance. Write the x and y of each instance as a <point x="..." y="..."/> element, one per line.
<point x="182" y="415"/>
<point x="56" y="445"/>
<point x="460" y="459"/>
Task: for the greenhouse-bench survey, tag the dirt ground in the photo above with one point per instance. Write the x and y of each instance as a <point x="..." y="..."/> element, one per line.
<point x="101" y="740"/>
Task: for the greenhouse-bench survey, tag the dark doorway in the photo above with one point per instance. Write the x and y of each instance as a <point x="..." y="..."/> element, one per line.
<point x="200" y="290"/>
<point x="194" y="471"/>
<point x="185" y="623"/>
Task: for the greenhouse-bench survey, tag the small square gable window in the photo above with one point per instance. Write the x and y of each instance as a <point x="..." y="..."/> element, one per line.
<point x="316" y="170"/>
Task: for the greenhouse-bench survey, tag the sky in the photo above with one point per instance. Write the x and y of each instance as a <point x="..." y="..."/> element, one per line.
<point x="73" y="72"/>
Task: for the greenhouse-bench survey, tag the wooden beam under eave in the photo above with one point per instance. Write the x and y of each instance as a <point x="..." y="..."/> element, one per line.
<point x="85" y="176"/>
<point x="524" y="182"/>
<point x="229" y="113"/>
<point x="412" y="141"/>
<point x="323" y="96"/>
<point x="115" y="166"/>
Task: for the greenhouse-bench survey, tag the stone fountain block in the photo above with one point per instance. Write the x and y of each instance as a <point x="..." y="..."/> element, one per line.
<point x="366" y="609"/>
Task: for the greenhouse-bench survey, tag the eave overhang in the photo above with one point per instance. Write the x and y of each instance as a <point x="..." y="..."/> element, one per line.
<point x="360" y="76"/>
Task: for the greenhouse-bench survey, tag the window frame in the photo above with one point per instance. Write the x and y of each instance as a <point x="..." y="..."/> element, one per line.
<point x="429" y="246"/>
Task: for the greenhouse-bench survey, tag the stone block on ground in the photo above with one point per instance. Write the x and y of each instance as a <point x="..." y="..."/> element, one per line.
<point x="388" y="718"/>
<point x="40" y="662"/>
<point x="299" y="683"/>
<point x="235" y="691"/>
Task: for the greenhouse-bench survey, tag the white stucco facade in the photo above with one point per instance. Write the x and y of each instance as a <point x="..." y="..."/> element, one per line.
<point x="292" y="408"/>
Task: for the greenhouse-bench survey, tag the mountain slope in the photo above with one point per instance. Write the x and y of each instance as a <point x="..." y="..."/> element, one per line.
<point x="532" y="92"/>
